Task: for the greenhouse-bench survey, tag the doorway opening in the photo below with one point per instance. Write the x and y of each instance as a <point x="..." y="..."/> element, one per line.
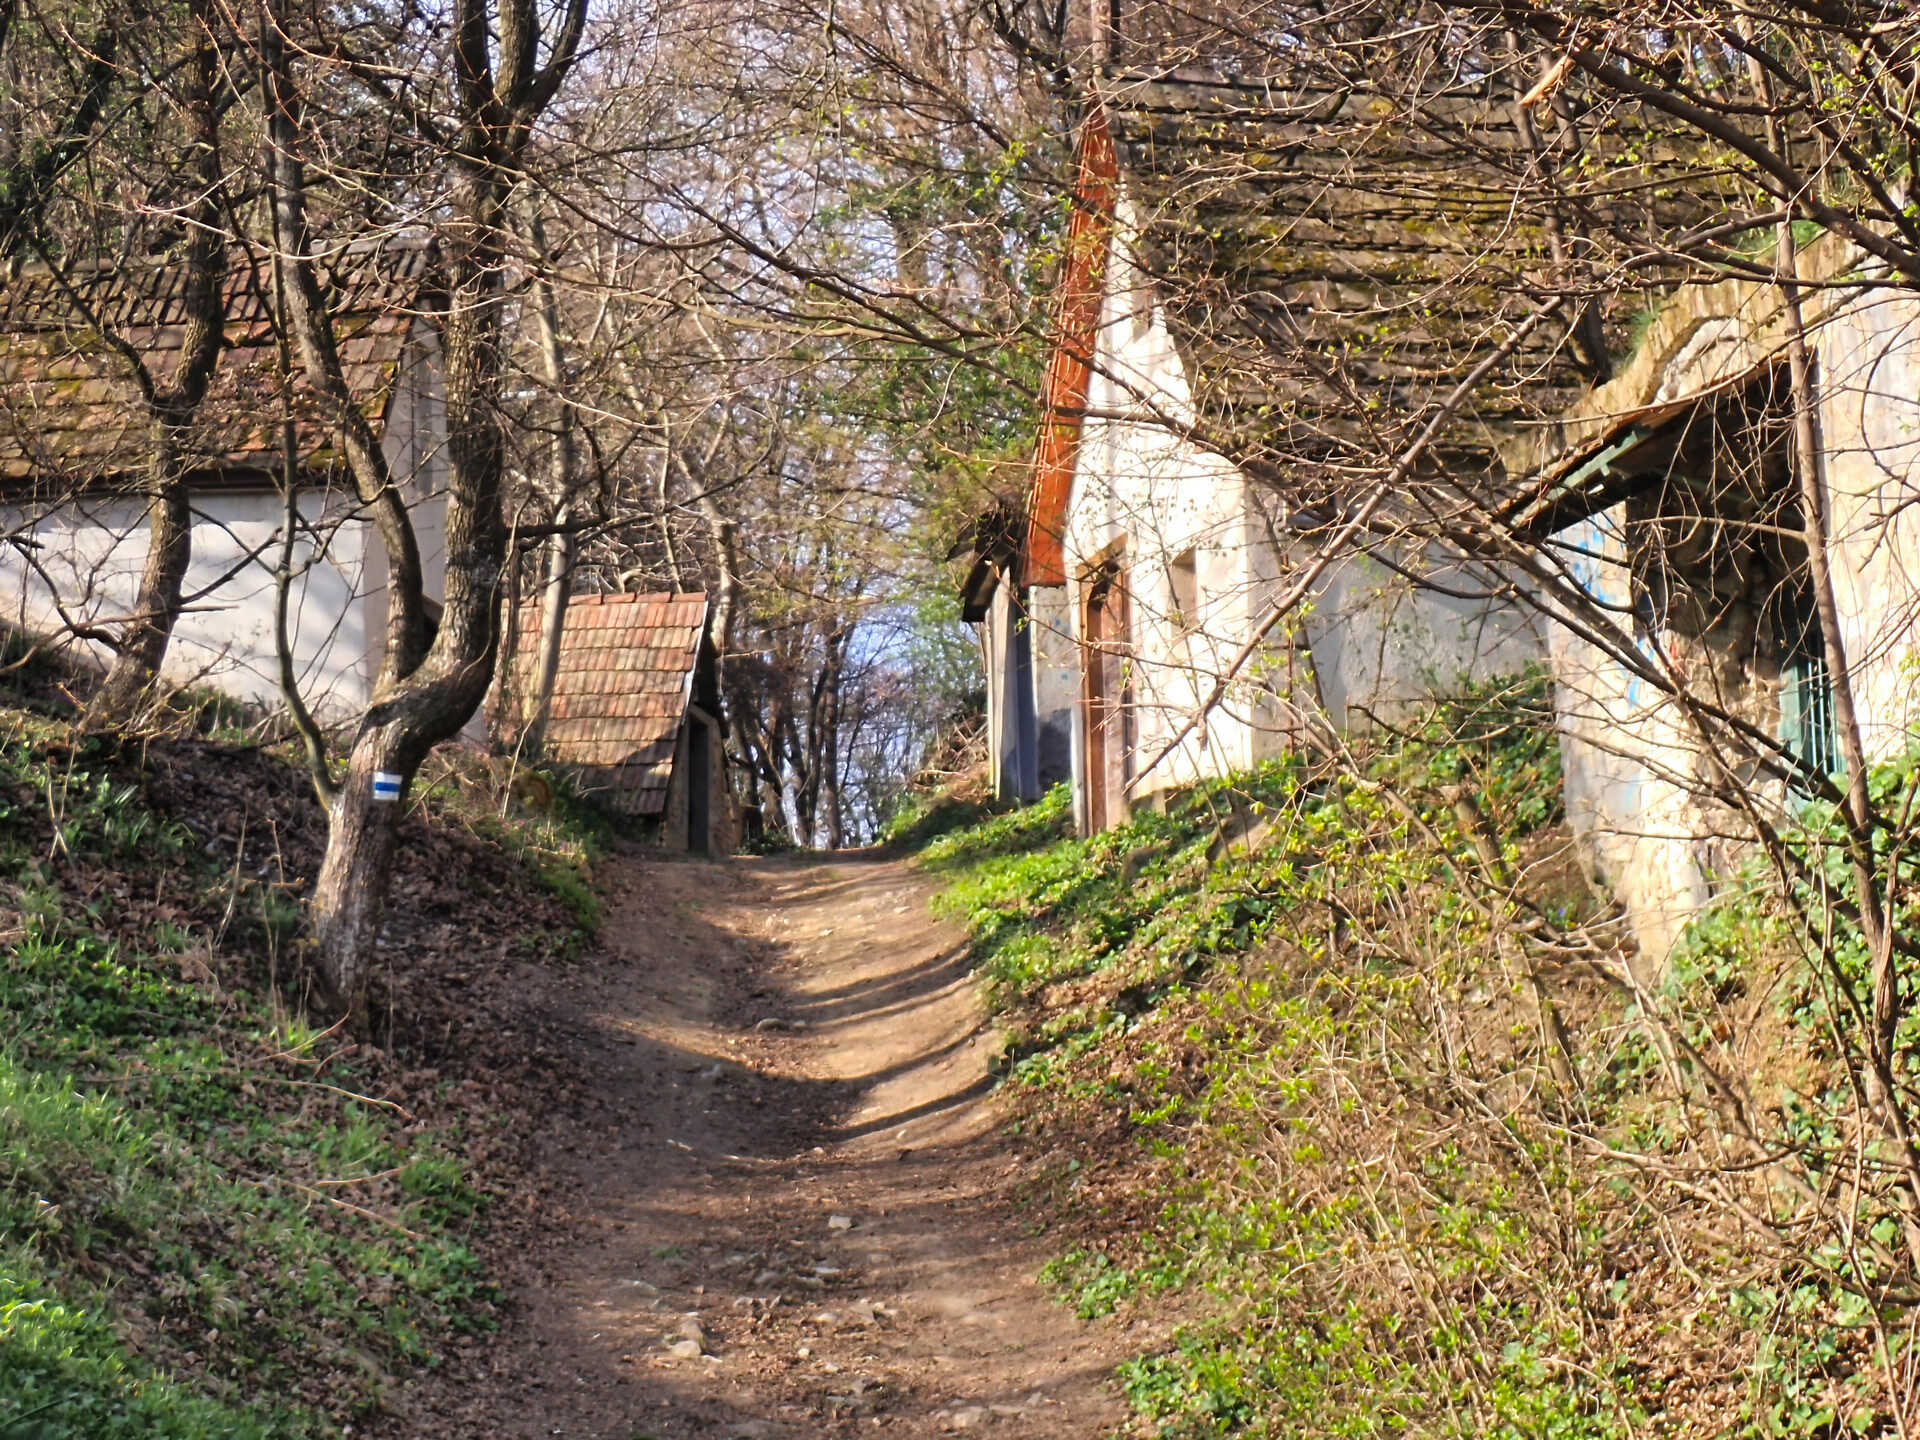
<point x="1109" y="694"/>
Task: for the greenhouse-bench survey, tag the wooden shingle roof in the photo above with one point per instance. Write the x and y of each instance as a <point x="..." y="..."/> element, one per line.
<point x="71" y="413"/>
<point x="626" y="676"/>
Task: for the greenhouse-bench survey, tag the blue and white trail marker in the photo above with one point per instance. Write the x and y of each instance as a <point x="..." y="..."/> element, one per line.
<point x="386" y="785"/>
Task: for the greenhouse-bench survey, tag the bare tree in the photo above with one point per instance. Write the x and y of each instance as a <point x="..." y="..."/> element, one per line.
<point x="173" y="401"/>
<point x="503" y="65"/>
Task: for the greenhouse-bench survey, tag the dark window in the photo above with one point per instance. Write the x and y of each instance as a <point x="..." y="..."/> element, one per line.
<point x="1806" y="686"/>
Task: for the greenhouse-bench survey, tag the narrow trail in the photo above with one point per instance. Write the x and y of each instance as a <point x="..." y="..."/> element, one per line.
<point x="787" y="1211"/>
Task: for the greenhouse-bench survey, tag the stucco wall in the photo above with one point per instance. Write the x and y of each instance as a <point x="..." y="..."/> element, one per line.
<point x="1005" y="642"/>
<point x="1161" y="497"/>
<point x="1382" y="644"/>
<point x="93" y="549"/>
<point x="1629" y="772"/>
<point x="1370" y="638"/>
<point x="1055" y="682"/>
<point x="1633" y="771"/>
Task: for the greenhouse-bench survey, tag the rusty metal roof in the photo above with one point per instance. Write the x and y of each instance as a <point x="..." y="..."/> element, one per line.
<point x="71" y="413"/>
<point x="1076" y="321"/>
<point x="626" y="676"/>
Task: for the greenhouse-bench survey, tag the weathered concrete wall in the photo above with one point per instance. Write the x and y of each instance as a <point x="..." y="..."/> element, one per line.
<point x="1634" y="771"/>
<point x="1630" y="774"/>
<point x="93" y="551"/>
<point x="1166" y="502"/>
<point x="1383" y="644"/>
<point x="1005" y="642"/>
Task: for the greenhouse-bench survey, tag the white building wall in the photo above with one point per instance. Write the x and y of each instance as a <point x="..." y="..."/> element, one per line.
<point x="1868" y="365"/>
<point x="1370" y="640"/>
<point x="1056" y="671"/>
<point x="1161" y="497"/>
<point x="89" y="554"/>
<point x="1633" y="770"/>
<point x="94" y="551"/>
<point x="1003" y="645"/>
<point x="1630" y="773"/>
<point x="1382" y="644"/>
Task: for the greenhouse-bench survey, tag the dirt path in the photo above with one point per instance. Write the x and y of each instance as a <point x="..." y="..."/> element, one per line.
<point x="786" y="1186"/>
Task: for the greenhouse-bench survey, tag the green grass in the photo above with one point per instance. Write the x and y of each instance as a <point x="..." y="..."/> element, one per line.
<point x="207" y="1227"/>
<point x="1291" y="1101"/>
<point x="920" y="817"/>
<point x="1281" y="1067"/>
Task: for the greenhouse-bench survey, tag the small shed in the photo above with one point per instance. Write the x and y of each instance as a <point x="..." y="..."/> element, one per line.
<point x="635" y="716"/>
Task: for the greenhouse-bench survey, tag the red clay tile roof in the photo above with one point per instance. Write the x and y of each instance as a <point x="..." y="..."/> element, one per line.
<point x="69" y="410"/>
<point x="625" y="678"/>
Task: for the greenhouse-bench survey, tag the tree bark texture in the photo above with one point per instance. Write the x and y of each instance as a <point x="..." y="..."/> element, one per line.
<point x="556" y="585"/>
<point x="172" y="405"/>
<point x="555" y="591"/>
<point x="349" y="896"/>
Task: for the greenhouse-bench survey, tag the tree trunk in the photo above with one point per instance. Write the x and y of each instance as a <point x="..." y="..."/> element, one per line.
<point x="27" y="180"/>
<point x="143" y="642"/>
<point x="349" y="897"/>
<point x="556" y="585"/>
<point x="830" y="804"/>
<point x="831" y="819"/>
<point x="555" y="590"/>
<point x="725" y="535"/>
<point x="172" y="405"/>
<point x="426" y="691"/>
<point x="420" y="709"/>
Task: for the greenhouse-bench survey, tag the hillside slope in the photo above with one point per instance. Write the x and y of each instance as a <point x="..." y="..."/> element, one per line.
<point x="1335" y="1084"/>
<point x="215" y="1219"/>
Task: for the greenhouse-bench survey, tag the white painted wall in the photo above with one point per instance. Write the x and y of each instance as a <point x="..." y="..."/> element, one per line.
<point x="1377" y="642"/>
<point x="1381" y="643"/>
<point x="1009" y="698"/>
<point x="1630" y="773"/>
<point x="1056" y="681"/>
<point x="92" y="551"/>
<point x="1161" y="496"/>
<point x="1633" y="771"/>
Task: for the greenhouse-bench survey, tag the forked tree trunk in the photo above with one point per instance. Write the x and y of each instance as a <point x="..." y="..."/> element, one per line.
<point x="425" y="691"/>
<point x="172" y="404"/>
<point x="412" y="713"/>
